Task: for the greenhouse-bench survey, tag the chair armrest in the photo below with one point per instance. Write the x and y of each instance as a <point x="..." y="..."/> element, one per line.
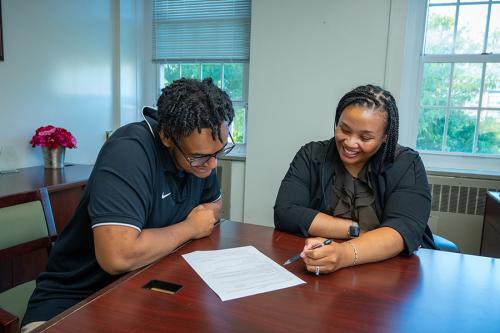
<point x="8" y="322"/>
<point x="444" y="244"/>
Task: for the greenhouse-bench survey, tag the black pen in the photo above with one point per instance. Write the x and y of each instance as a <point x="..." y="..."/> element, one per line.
<point x="315" y="246"/>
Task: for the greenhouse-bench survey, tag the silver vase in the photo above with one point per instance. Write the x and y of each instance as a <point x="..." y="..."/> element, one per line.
<point x="53" y="158"/>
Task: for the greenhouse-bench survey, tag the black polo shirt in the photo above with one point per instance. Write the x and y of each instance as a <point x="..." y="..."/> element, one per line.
<point x="134" y="183"/>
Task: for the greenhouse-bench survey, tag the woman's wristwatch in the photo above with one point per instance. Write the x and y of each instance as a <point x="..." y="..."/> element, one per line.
<point x="353" y="230"/>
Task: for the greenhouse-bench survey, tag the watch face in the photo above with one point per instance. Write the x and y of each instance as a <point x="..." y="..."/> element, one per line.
<point x="354" y="231"/>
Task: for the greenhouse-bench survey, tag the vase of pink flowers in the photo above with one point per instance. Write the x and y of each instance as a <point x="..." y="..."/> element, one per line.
<point x="53" y="141"/>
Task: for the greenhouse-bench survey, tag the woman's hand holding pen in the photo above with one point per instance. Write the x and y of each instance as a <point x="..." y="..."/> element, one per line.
<point x="323" y="259"/>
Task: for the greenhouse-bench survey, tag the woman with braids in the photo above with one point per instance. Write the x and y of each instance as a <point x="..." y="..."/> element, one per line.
<point x="360" y="185"/>
<point x="153" y="187"/>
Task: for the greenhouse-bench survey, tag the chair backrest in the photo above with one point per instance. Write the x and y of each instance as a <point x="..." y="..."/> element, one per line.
<point x="27" y="232"/>
<point x="444" y="244"/>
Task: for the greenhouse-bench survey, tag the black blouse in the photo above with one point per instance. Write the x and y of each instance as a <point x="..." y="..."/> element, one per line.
<point x="402" y="198"/>
<point x="353" y="197"/>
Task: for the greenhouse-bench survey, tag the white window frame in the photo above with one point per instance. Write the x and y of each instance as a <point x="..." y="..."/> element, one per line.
<point x="410" y="96"/>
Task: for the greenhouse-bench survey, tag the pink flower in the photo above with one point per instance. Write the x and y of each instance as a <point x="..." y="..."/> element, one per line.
<point x="53" y="137"/>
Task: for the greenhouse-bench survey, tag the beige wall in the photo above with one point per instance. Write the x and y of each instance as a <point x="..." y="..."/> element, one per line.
<point x="304" y="56"/>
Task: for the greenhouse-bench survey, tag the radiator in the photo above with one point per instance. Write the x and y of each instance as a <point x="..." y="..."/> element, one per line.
<point x="224" y="179"/>
<point x="231" y="177"/>
<point x="458" y="208"/>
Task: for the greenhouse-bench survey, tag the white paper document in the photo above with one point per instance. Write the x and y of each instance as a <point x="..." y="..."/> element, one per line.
<point x="239" y="272"/>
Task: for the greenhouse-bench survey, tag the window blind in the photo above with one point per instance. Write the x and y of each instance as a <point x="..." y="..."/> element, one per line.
<point x="201" y="30"/>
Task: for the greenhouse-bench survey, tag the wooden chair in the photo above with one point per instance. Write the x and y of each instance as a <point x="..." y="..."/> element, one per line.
<point x="27" y="232"/>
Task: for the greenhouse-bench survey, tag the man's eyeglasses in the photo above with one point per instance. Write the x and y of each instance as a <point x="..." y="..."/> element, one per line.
<point x="197" y="161"/>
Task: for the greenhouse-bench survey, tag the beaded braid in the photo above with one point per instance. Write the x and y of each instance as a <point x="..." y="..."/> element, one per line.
<point x="188" y="104"/>
<point x="378" y="99"/>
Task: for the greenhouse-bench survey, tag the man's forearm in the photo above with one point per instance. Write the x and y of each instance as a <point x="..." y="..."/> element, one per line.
<point x="152" y="244"/>
<point x="123" y="250"/>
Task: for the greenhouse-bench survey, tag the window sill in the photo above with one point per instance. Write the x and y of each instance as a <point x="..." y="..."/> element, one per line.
<point x="239" y="153"/>
<point x="463" y="173"/>
<point x="462" y="155"/>
<point x="456" y="164"/>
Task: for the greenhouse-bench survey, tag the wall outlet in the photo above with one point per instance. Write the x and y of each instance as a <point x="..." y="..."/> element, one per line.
<point x="107" y="135"/>
<point x="8" y="158"/>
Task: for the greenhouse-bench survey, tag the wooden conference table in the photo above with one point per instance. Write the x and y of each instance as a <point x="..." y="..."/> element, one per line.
<point x="432" y="291"/>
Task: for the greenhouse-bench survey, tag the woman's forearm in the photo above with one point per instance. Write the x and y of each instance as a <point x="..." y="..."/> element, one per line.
<point x="328" y="226"/>
<point x="372" y="246"/>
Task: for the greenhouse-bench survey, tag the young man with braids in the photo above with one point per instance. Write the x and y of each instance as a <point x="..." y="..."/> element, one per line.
<point x="153" y="187"/>
<point x="359" y="183"/>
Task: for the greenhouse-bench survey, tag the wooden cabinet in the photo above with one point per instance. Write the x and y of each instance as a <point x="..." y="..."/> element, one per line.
<point x="65" y="187"/>
<point x="490" y="241"/>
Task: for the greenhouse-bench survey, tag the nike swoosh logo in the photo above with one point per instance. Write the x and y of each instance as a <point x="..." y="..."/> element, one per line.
<point x="163" y="195"/>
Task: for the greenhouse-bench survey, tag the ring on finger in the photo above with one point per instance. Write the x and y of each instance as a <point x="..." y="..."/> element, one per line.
<point x="317" y="270"/>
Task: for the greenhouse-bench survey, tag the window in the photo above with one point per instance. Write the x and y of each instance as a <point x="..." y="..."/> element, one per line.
<point x="231" y="77"/>
<point x="459" y="108"/>
<point x="199" y="39"/>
